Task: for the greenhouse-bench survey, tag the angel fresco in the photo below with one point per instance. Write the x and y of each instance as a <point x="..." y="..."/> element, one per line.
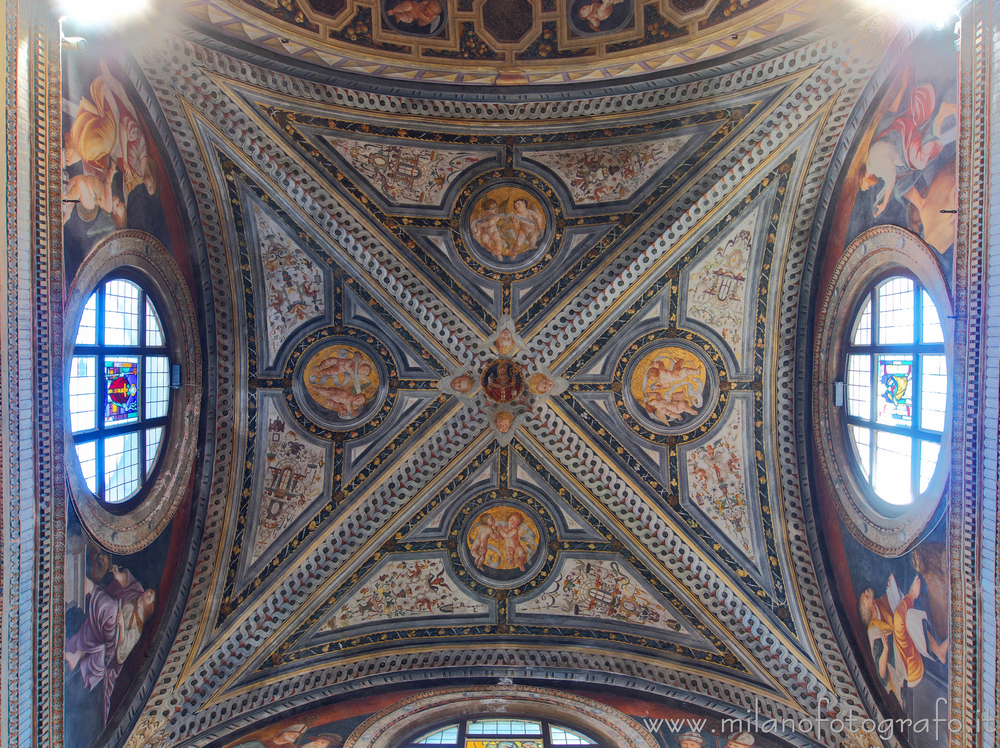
<point x="669" y="384"/>
<point x="106" y="139"/>
<point x="508" y="222"/>
<point x="342" y="379"/>
<point x="423" y="17"/>
<point x="503" y="538"/>
<point x="600" y="16"/>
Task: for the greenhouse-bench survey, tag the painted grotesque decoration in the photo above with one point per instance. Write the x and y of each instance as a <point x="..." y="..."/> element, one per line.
<point x="406" y="588"/>
<point x="403" y="174"/>
<point x="669" y="385"/>
<point x="343" y="380"/>
<point x="415" y="17"/>
<point x="503" y="542"/>
<point x="503" y="381"/>
<point x="602" y="589"/>
<point x="508" y="225"/>
<point x="720" y="286"/>
<point x="602" y="174"/>
<point x="292" y="480"/>
<point x="717" y="482"/>
<point x="590" y="17"/>
<point x="293" y="282"/>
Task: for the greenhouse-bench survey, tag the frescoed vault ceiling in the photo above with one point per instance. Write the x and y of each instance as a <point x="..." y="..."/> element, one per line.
<point x="501" y="396"/>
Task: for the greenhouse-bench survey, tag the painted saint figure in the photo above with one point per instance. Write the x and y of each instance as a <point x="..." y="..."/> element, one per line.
<point x="898" y="636"/>
<point x="110" y="631"/>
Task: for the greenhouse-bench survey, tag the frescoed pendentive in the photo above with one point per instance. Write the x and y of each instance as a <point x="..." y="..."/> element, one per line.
<point x="344" y="380"/>
<point x="508" y="226"/>
<point x="409" y="588"/>
<point x="609" y="173"/>
<point x="503" y="380"/>
<point x="403" y="174"/>
<point x="591" y="17"/>
<point x="669" y="388"/>
<point x="292" y="281"/>
<point x="608" y="590"/>
<point x="415" y="17"/>
<point x="292" y="480"/>
<point x="502" y="542"/>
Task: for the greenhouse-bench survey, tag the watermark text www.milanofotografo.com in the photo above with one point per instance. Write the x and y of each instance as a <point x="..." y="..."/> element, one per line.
<point x="938" y="726"/>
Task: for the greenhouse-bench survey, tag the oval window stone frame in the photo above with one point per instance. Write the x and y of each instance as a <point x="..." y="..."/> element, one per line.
<point x="142" y="253"/>
<point x="874" y="253"/>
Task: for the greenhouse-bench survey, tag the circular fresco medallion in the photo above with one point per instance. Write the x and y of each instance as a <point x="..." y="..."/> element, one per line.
<point x="502" y="542"/>
<point x="503" y="381"/>
<point x="345" y="382"/>
<point x="593" y="17"/>
<point x="671" y="388"/>
<point x="508" y="227"/>
<point x="425" y="18"/>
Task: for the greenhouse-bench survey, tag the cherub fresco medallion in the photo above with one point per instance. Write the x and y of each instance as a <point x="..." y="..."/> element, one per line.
<point x="503" y="381"/>
<point x="509" y="226"/>
<point x="503" y="542"/>
<point x="342" y="380"/>
<point x="415" y="17"/>
<point x="670" y="387"/>
<point x="590" y="17"/>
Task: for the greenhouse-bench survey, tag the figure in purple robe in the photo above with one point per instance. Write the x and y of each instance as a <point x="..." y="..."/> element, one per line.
<point x="110" y="631"/>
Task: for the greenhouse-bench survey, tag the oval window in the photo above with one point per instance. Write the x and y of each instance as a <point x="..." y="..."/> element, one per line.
<point x="897" y="390"/>
<point x="119" y="391"/>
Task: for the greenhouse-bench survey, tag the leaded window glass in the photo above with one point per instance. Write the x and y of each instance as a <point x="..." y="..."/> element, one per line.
<point x="119" y="390"/>
<point x="897" y="389"/>
<point x="506" y="732"/>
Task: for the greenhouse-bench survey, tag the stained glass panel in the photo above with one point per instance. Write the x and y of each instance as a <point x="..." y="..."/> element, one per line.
<point x="895" y="312"/>
<point x="86" y="453"/>
<point x="153" y="438"/>
<point x="931" y="332"/>
<point x="83" y="393"/>
<point x="157" y="386"/>
<point x="444" y="736"/>
<point x="892" y="468"/>
<point x="862" y="443"/>
<point x="895" y="376"/>
<point x="121" y="313"/>
<point x="86" y="334"/>
<point x="863" y="327"/>
<point x="859" y="386"/>
<point x="933" y="392"/>
<point x="504" y="743"/>
<point x="154" y="333"/>
<point x="504" y="727"/>
<point x="562" y="736"/>
<point x="121" y="403"/>
<point x="928" y="461"/>
<point x="121" y="467"/>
